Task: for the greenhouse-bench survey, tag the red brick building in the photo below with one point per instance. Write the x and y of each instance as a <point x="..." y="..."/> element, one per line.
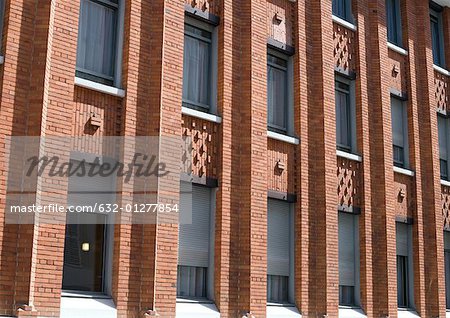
<point x="320" y="149"/>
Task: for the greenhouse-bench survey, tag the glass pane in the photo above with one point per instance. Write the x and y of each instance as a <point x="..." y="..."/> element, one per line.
<point x="276" y="97"/>
<point x="447" y="278"/>
<point x="399" y="156"/>
<point x="343" y="120"/>
<point x="393" y="21"/>
<point x="346" y="295"/>
<point x="191" y="281"/>
<point x="84" y="252"/>
<point x="436" y="40"/>
<point x="277" y="288"/>
<point x="402" y="282"/>
<point x="444" y="169"/>
<point x="196" y="70"/>
<point x="96" y="39"/>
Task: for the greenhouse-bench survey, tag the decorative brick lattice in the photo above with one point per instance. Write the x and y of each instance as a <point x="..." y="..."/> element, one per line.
<point x="445" y="199"/>
<point x="211" y="6"/>
<point x="199" y="155"/>
<point x="348" y="182"/>
<point x="441" y="91"/>
<point x="344" y="48"/>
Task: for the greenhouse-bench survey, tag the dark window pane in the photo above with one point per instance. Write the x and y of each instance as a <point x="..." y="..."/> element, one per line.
<point x="399" y="156"/>
<point x="191" y="281"/>
<point x="393" y="21"/>
<point x="444" y="169"/>
<point x="277" y="99"/>
<point x="346" y="295"/>
<point x="196" y="68"/>
<point x="343" y="116"/>
<point x="96" y="41"/>
<point x="436" y="40"/>
<point x="342" y="9"/>
<point x="277" y="288"/>
<point x="402" y="282"/>
<point x="447" y="278"/>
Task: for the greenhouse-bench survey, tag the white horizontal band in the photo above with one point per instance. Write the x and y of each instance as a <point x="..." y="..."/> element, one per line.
<point x="344" y="23"/>
<point x="441" y="70"/>
<point x="397" y="49"/>
<point x="445" y="183"/>
<point x="281" y="137"/>
<point x="350" y="156"/>
<point x="404" y="171"/>
<point x="102" y="88"/>
<point x="201" y="115"/>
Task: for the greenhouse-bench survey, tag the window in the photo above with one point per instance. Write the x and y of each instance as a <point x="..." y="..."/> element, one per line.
<point x="399" y="118"/>
<point x="199" y="66"/>
<point x="348" y="259"/>
<point x="443" y="131"/>
<point x="343" y="9"/>
<point x="98" y="37"/>
<point x="195" y="259"/>
<point x="276" y="92"/>
<point x="404" y="266"/>
<point x="345" y="115"/>
<point x="437" y="37"/>
<point x="279" y="252"/>
<point x="394" y="22"/>
<point x="2" y="13"/>
<point x="447" y="267"/>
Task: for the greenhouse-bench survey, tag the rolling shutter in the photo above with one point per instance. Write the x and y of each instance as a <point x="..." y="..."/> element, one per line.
<point x="346" y="249"/>
<point x="194" y="238"/>
<point x="402" y="239"/>
<point x="278" y="238"/>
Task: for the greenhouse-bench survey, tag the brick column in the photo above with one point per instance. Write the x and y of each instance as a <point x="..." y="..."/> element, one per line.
<point x="318" y="160"/>
<point x="170" y="153"/>
<point x="59" y="60"/>
<point x="432" y="222"/>
<point x="381" y="164"/>
<point x="17" y="48"/>
<point x="228" y="103"/>
<point x="302" y="232"/>
<point x="253" y="147"/>
<point x="361" y="13"/>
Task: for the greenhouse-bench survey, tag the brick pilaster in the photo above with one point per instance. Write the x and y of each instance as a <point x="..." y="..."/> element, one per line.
<point x="253" y="147"/>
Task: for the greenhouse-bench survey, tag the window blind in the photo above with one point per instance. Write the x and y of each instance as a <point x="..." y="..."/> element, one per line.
<point x="194" y="239"/>
<point x="346" y="239"/>
<point x="402" y="237"/>
<point x="97" y="40"/>
<point x="398" y="128"/>
<point x="447" y="267"/>
<point x="278" y="236"/>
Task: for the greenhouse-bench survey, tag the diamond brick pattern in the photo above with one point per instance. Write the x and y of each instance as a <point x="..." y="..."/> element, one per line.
<point x="445" y="199"/>
<point x="344" y="48"/>
<point x="348" y="178"/>
<point x="199" y="154"/>
<point x="441" y="91"/>
<point x="210" y="6"/>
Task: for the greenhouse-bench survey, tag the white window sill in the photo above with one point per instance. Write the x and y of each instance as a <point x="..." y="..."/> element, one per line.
<point x="201" y="115"/>
<point x="441" y="70"/>
<point x="350" y="312"/>
<point x="281" y="137"/>
<point x="447" y="184"/>
<point x="407" y="313"/>
<point x="397" y="49"/>
<point x="81" y="82"/>
<point x="2" y="59"/>
<point x="344" y="23"/>
<point x="447" y="314"/>
<point x="282" y="311"/>
<point x="348" y="155"/>
<point x="196" y="309"/>
<point x="404" y="171"/>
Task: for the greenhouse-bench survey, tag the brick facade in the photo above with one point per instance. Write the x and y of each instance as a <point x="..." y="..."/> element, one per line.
<point x="38" y="97"/>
